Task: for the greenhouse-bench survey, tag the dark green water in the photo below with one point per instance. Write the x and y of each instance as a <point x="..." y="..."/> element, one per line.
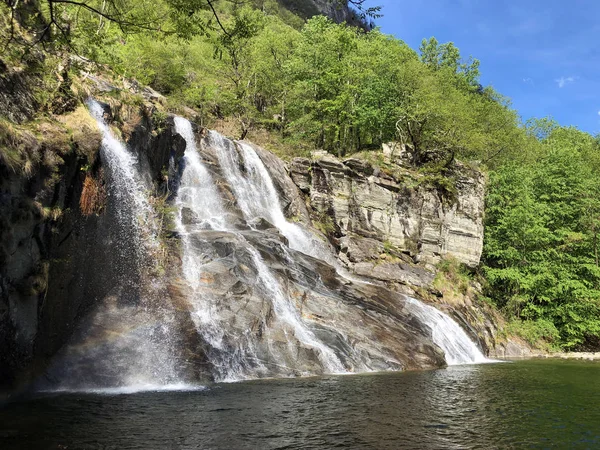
<point x="529" y="404"/>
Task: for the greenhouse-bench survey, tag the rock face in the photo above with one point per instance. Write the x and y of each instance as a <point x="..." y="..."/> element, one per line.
<point x="368" y="326"/>
<point x="57" y="262"/>
<point x="371" y="209"/>
<point x="266" y="309"/>
<point x="395" y="229"/>
<point x="232" y="298"/>
<point x="336" y="11"/>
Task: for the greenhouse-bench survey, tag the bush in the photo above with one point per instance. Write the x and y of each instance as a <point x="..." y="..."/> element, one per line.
<point x="537" y="333"/>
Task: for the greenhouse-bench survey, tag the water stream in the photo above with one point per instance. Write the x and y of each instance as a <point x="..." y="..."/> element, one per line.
<point x="126" y="187"/>
<point x="257" y="198"/>
<point x="198" y="194"/>
<point x="447" y="334"/>
<point x="127" y="342"/>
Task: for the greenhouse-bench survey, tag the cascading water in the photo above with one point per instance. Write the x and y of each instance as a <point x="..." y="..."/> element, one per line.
<point x="132" y="341"/>
<point x="257" y="197"/>
<point x="126" y="186"/>
<point x="447" y="334"/>
<point x="197" y="194"/>
<point x="127" y="343"/>
<point x="198" y="197"/>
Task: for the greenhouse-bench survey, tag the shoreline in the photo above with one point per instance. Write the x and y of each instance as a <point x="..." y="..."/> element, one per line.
<point x="581" y="356"/>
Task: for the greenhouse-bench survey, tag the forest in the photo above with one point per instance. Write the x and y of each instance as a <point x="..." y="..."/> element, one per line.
<point x="258" y="68"/>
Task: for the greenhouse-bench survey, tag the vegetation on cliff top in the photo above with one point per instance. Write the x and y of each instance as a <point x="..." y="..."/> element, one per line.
<point x="262" y="71"/>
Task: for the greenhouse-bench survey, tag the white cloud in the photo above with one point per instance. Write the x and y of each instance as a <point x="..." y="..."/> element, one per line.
<point x="528" y="80"/>
<point x="563" y="81"/>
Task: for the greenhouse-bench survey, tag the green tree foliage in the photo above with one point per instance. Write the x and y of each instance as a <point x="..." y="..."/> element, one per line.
<point x="541" y="247"/>
<point x="331" y="85"/>
<point x="446" y="56"/>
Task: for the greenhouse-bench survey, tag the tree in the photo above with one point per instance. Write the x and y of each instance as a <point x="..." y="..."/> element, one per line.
<point x="323" y="81"/>
<point x="447" y="56"/>
<point x="540" y="252"/>
<point x="61" y="19"/>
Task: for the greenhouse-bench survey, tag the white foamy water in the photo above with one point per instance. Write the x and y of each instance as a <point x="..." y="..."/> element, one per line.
<point x="127" y="188"/>
<point x="199" y="198"/>
<point x="130" y="389"/>
<point x="197" y="191"/>
<point x="199" y="195"/>
<point x="447" y="334"/>
<point x="257" y="197"/>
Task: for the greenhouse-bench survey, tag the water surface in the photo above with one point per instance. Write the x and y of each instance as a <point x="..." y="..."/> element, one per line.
<point x="528" y="404"/>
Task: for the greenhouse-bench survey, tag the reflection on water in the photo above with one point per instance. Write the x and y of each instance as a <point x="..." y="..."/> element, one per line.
<point x="534" y="404"/>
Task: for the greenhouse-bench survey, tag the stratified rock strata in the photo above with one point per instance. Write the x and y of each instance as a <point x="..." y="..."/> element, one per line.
<point x="367" y="204"/>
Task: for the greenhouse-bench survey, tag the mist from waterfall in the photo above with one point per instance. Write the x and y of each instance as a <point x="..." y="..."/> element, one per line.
<point x="126" y="344"/>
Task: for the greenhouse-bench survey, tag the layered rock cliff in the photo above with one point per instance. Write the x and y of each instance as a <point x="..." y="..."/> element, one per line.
<point x="371" y="208"/>
<point x="69" y="287"/>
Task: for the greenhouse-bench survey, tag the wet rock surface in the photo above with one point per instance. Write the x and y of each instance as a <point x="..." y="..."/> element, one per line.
<point x="55" y="270"/>
<point x="234" y="320"/>
<point x="366" y="324"/>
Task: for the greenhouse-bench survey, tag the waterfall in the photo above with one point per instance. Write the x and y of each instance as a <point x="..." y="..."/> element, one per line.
<point x="128" y="191"/>
<point x="134" y="339"/>
<point x="126" y="344"/>
<point x="257" y="197"/>
<point x="199" y="198"/>
<point x="447" y="334"/>
<point x="197" y="193"/>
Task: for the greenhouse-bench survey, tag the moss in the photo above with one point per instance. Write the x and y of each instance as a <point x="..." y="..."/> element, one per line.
<point x="131" y="124"/>
<point x="84" y="133"/>
<point x="169" y="244"/>
<point x="391" y="253"/>
<point x="325" y="224"/>
<point x="453" y="280"/>
<point x="19" y="148"/>
<point x="159" y="119"/>
<point x="51" y="213"/>
<point x="444" y="184"/>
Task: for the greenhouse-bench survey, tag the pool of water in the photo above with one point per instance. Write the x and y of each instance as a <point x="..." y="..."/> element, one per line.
<point x="526" y="404"/>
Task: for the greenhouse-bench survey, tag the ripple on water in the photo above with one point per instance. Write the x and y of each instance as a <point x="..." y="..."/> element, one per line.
<point x="130" y="389"/>
<point x="532" y="404"/>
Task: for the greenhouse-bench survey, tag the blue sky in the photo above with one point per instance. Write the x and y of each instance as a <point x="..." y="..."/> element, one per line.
<point x="543" y="55"/>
